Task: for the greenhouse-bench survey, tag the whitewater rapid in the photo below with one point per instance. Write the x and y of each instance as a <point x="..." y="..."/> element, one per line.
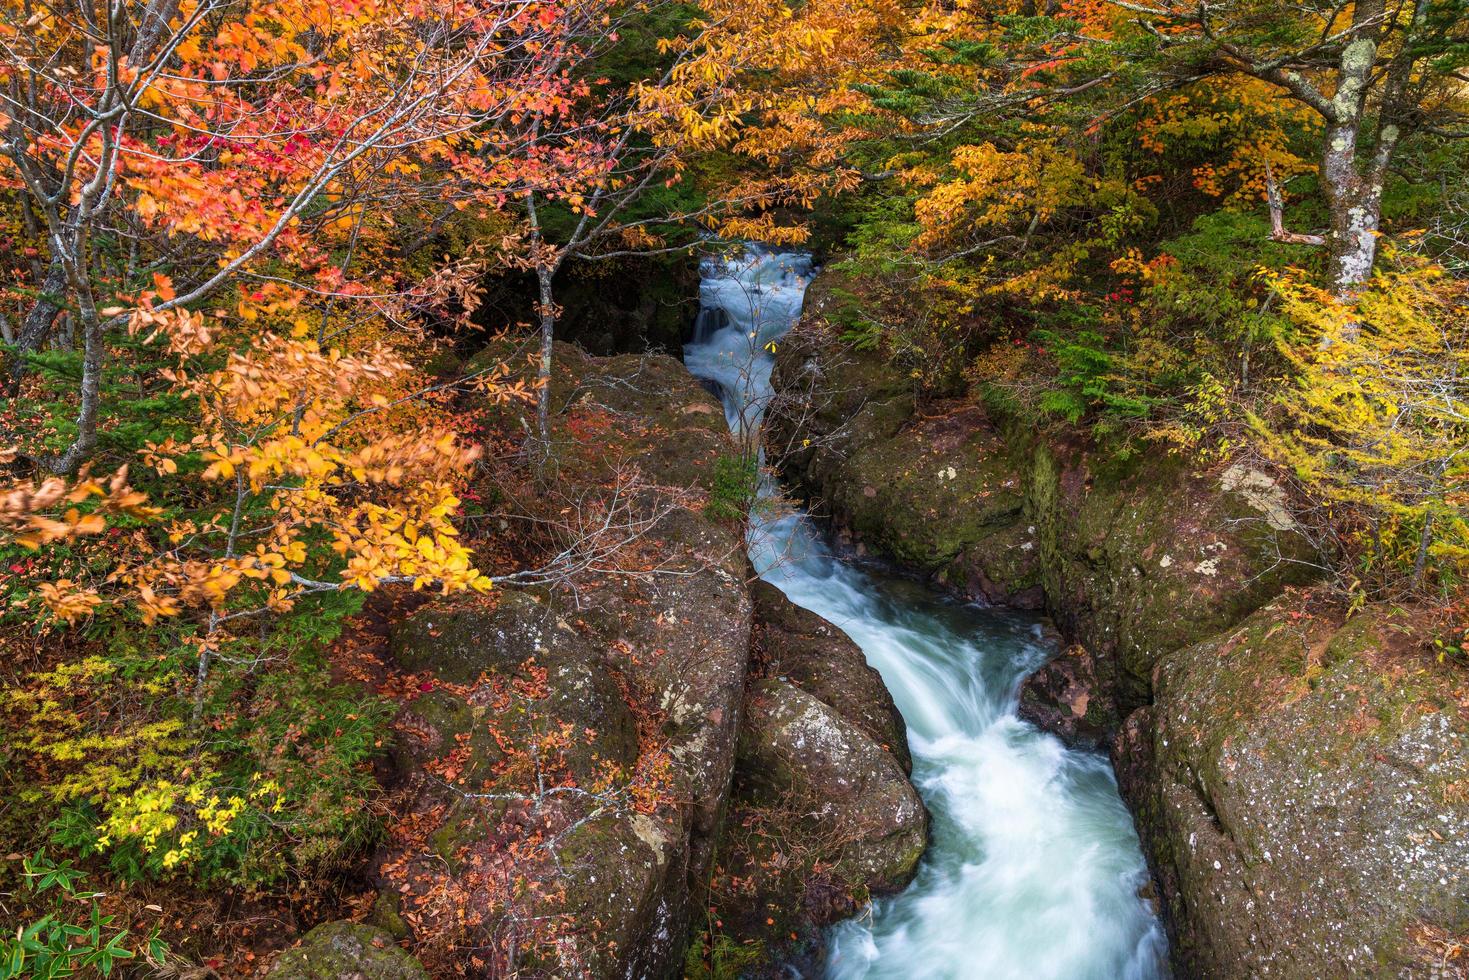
<point x="1034" y="868"/>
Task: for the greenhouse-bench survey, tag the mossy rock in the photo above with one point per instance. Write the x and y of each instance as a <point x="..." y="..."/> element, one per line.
<point x="1062" y="698"/>
<point x="347" y="951"/>
<point x="796" y="750"/>
<point x="465" y="641"/>
<point x="823" y="661"/>
<point x="626" y="873"/>
<point x="387" y="915"/>
<point x="938" y="489"/>
<point x="822" y="819"/>
<point x="459" y="639"/>
<point x="1299" y="791"/>
<point x="603" y="731"/>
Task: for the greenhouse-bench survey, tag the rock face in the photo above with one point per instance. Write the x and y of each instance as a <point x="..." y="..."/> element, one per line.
<point x="347" y="951"/>
<point x="568" y="756"/>
<point x="799" y="751"/>
<point x="1133" y="558"/>
<point x="1302" y="788"/>
<point x="823" y="814"/>
<point x="625" y="873"/>
<point x="1062" y="698"/>
<point x="585" y="741"/>
<point x="1300" y="783"/>
<point x="799" y="646"/>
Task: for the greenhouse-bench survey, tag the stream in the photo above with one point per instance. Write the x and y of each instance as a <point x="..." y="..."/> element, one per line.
<point x="1033" y="868"/>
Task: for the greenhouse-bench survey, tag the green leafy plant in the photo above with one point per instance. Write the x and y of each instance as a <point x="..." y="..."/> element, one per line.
<point x="1087" y="379"/>
<point x="73" y="938"/>
<point x="736" y="481"/>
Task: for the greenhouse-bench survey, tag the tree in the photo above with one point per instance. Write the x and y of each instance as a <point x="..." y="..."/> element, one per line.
<point x="215" y="141"/>
<point x="749" y="80"/>
<point x="1375" y="72"/>
<point x="1375" y="426"/>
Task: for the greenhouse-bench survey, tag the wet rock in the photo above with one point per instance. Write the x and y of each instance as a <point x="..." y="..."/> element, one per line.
<point x="823" y="819"/>
<point x="1061" y="698"/>
<point x="347" y="951"/>
<point x="815" y="656"/>
<point x="1299" y="789"/>
<point x="797" y="750"/>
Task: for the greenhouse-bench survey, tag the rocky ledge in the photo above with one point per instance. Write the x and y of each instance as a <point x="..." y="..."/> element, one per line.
<point x="573" y="759"/>
<point x="1302" y="785"/>
<point x="823" y="816"/>
<point x="1131" y="557"/>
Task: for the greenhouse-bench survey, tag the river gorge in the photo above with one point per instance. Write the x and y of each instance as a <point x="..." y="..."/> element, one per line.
<point x="1034" y="869"/>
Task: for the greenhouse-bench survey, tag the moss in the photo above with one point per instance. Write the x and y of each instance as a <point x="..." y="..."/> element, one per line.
<point x="447" y="713"/>
<point x="387" y="915"/>
<point x="337" y="950"/>
<point x="1305" y="745"/>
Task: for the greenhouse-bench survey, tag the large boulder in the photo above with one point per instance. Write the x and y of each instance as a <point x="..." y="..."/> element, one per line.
<point x="823" y="816"/>
<point x="508" y="637"/>
<point x="1302" y="792"/>
<point x="797" y="751"/>
<point x="569" y="751"/>
<point x="799" y="646"/>
<point x="347" y="951"/>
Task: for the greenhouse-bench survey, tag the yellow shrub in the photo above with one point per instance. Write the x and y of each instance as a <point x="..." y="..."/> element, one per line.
<point x="1376" y="427"/>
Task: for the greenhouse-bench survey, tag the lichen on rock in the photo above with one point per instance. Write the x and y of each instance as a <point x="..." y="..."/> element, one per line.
<point x="823" y="815"/>
<point x="1302" y="791"/>
<point x="347" y="951"/>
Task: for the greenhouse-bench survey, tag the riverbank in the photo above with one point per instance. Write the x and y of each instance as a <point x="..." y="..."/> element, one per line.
<point x="1195" y="634"/>
<point x="613" y="774"/>
<point x="1033" y="868"/>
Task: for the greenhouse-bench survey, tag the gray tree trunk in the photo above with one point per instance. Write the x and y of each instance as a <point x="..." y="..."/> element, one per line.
<point x="38" y="323"/>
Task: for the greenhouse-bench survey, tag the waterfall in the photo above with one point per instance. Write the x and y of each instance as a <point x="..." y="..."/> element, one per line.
<point x="1034" y="868"/>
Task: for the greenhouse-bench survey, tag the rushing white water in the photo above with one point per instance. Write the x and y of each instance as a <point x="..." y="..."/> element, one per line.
<point x="1033" y="869"/>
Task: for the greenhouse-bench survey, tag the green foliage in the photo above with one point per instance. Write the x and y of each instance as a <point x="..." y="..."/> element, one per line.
<point x="714" y="955"/>
<point x="1087" y="379"/>
<point x="856" y="328"/>
<point x="734" y="488"/>
<point x="114" y="765"/>
<point x="72" y="936"/>
<point x="134" y="411"/>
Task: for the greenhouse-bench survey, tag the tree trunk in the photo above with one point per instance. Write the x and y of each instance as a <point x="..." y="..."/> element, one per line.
<point x="91" y="396"/>
<point x="1355" y="209"/>
<point x="38" y="323"/>
<point x="1353" y="201"/>
<point x="548" y="336"/>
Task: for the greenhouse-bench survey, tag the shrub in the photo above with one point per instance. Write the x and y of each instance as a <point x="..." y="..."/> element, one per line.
<point x="280" y="782"/>
<point x="736" y="483"/>
<point x="1374" y="426"/>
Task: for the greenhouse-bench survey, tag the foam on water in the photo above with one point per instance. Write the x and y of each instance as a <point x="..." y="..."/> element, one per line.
<point x="1034" y="868"/>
